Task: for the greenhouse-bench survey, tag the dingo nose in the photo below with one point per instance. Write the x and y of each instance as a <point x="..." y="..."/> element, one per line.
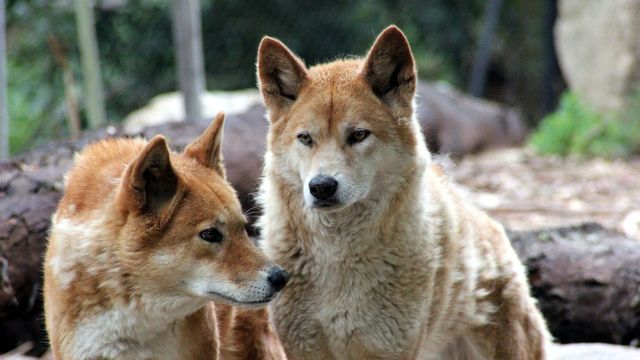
<point x="278" y="278"/>
<point x="323" y="187"/>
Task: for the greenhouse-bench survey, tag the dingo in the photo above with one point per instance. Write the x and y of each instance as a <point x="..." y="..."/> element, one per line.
<point x="387" y="260"/>
<point x="143" y="240"/>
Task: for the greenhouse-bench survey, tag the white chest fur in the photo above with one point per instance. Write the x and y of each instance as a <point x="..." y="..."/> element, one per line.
<point x="355" y="295"/>
<point x="128" y="333"/>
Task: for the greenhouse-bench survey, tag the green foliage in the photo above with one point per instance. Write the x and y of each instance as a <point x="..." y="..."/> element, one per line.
<point x="137" y="51"/>
<point x="35" y="84"/>
<point x="22" y="125"/>
<point x="36" y="112"/>
<point x="574" y="129"/>
<point x="440" y="33"/>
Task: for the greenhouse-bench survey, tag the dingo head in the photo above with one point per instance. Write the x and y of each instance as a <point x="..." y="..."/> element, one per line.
<point x="184" y="229"/>
<point x="337" y="127"/>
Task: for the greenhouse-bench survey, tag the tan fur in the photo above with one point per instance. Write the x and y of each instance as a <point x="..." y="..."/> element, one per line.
<point x="402" y="267"/>
<point x="248" y="334"/>
<point x="127" y="275"/>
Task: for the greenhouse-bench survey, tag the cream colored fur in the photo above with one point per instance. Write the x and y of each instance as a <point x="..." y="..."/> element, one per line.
<point x="408" y="270"/>
<point x="143" y="242"/>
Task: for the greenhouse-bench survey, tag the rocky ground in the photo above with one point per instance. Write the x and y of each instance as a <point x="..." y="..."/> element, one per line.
<point x="526" y="191"/>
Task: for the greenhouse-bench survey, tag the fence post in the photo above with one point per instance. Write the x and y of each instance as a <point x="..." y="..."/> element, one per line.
<point x="187" y="37"/>
<point x="90" y="62"/>
<point x="4" y="112"/>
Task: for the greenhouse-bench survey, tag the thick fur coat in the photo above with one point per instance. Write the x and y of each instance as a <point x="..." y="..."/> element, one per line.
<point x="392" y="263"/>
<point x="142" y="243"/>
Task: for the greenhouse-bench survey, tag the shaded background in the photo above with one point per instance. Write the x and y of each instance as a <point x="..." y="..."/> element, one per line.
<point x="137" y="55"/>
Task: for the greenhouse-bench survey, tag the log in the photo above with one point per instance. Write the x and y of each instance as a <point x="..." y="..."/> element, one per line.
<point x="587" y="281"/>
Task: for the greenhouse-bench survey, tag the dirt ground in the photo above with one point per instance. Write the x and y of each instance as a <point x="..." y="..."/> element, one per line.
<point x="526" y="191"/>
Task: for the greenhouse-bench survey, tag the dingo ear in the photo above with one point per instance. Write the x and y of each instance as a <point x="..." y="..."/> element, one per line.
<point x="206" y="149"/>
<point x="280" y="75"/>
<point x="390" y="69"/>
<point x="149" y="182"/>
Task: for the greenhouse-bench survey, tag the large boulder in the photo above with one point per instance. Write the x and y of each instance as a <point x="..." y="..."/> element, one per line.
<point x="599" y="49"/>
<point x="453" y="122"/>
<point x="458" y="124"/>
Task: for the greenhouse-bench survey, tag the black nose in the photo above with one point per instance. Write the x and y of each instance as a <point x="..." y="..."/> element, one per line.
<point x="323" y="187"/>
<point x="278" y="278"/>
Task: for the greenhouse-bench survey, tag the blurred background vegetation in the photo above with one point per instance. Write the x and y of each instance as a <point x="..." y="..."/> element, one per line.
<point x="137" y="55"/>
<point x="576" y="129"/>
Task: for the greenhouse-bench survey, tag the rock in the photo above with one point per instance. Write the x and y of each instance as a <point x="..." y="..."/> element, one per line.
<point x="453" y="122"/>
<point x="599" y="49"/>
<point x="631" y="224"/>
<point x="593" y="351"/>
<point x="169" y="107"/>
<point x="459" y="124"/>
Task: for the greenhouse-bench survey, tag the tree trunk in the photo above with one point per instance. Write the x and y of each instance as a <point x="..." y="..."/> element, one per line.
<point x="187" y="38"/>
<point x="483" y="52"/>
<point x="90" y="63"/>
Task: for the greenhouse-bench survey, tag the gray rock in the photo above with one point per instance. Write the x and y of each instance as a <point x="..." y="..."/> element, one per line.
<point x="593" y="351"/>
<point x="599" y="49"/>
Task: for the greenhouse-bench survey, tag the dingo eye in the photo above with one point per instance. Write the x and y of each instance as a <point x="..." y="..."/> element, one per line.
<point x="358" y="135"/>
<point x="305" y="138"/>
<point x="211" y="235"/>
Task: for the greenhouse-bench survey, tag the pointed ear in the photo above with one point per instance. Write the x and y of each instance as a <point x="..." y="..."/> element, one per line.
<point x="149" y="182"/>
<point x="389" y="68"/>
<point x="207" y="148"/>
<point x="280" y="74"/>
